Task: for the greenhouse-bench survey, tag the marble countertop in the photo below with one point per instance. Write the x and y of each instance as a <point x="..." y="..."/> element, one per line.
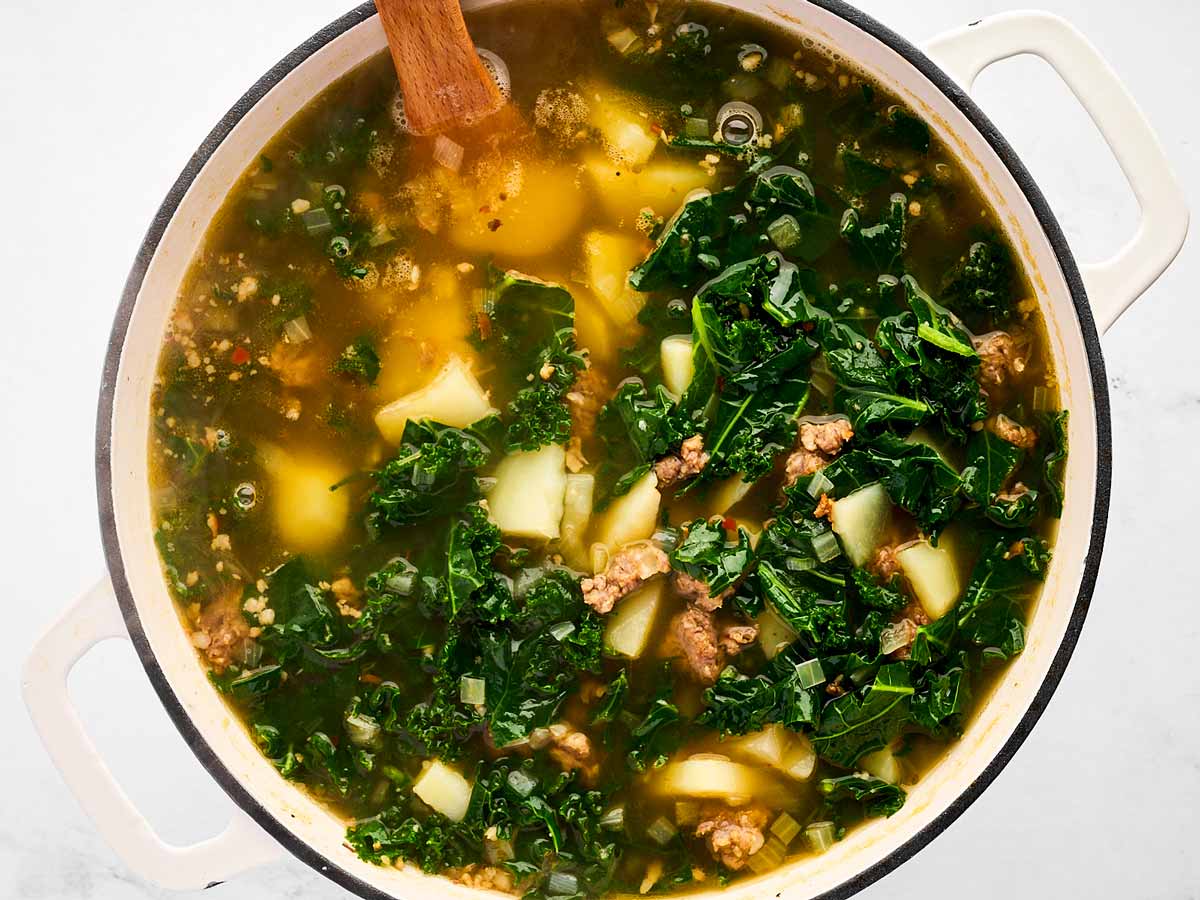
<point x="101" y="106"/>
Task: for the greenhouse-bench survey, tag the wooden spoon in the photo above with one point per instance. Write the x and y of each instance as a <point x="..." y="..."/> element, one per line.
<point x="441" y="78"/>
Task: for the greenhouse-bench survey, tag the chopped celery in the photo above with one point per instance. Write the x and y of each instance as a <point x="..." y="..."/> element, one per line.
<point x="809" y="673"/>
<point x="785" y="232"/>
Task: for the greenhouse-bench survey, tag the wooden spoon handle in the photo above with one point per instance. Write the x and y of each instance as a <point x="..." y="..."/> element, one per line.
<point x="443" y="82"/>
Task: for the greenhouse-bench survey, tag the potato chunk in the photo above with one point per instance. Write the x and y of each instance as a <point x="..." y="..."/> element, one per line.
<point x="527" y="499"/>
<point x="933" y="574"/>
<point x="627" y="629"/>
<point x="445" y="790"/>
<point x="632" y="517"/>
<point x="608" y="257"/>
<point x="860" y="519"/>
<point x="519" y="212"/>
<point x="675" y="353"/>
<point x="453" y="398"/>
<point x="709" y="775"/>
<point x="660" y="187"/>
<point x="309" y="517"/>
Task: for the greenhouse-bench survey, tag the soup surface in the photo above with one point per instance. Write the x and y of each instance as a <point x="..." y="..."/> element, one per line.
<point x="628" y="499"/>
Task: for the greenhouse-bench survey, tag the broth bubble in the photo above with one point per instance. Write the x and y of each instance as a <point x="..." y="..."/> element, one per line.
<point x="245" y="496"/>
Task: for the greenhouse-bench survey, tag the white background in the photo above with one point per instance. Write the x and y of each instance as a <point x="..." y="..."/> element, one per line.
<point x="101" y="104"/>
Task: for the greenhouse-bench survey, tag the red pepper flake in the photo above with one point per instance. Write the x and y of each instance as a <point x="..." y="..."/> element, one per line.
<point x="807" y="326"/>
<point x="240" y="356"/>
<point x="729" y="523"/>
<point x="494" y="224"/>
<point x="485" y="208"/>
<point x="369" y="678"/>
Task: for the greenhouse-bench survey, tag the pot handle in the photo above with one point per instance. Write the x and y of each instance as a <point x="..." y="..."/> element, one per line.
<point x="93" y="618"/>
<point x="1114" y="284"/>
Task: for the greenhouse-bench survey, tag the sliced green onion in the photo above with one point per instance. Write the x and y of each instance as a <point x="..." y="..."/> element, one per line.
<point x="821" y="378"/>
<point x="1041" y="399"/>
<point x="687" y="812"/>
<point x="296" y="331"/>
<point x="317" y="222"/>
<point x="696" y="128"/>
<point x="562" y="884"/>
<point x="784" y="232"/>
<point x="402" y="583"/>
<point x="800" y="563"/>
<point x="809" y="673"/>
<point x="561" y="630"/>
<point x="826" y="546"/>
<point x="820" y="836"/>
<point x="624" y="41"/>
<point x="667" y="538"/>
<point x="364" y="731"/>
<point x="472" y="691"/>
<point x="661" y="831"/>
<point x="785" y="828"/>
<point x="768" y="858"/>
<point x="819" y="485"/>
<point x="893" y="638"/>
<point x="521" y="782"/>
<point x="613" y="819"/>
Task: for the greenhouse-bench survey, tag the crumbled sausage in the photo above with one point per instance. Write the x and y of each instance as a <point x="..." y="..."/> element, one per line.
<point x="690" y="461"/>
<point x="696" y="631"/>
<point x="732" y="835"/>
<point x="223" y="629"/>
<point x="884" y="563"/>
<point x="628" y="569"/>
<point x="296" y="365"/>
<point x="574" y="751"/>
<point x="915" y="613"/>
<point x="696" y="591"/>
<point x="735" y="638"/>
<point x="817" y="444"/>
<point x="585" y="400"/>
<point x="824" y="507"/>
<point x="485" y="878"/>
<point x="347" y="597"/>
<point x="1016" y="434"/>
<point x="1013" y="494"/>
<point x="999" y="357"/>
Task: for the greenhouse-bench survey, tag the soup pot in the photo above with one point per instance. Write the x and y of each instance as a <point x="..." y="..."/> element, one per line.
<point x="1078" y="303"/>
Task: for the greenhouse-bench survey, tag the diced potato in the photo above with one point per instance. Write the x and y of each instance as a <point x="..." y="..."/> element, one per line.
<point x="308" y="515"/>
<point x="527" y="498"/>
<point x="594" y="330"/>
<point x="577" y="512"/>
<point x="661" y="187"/>
<point x="608" y="257"/>
<point x="883" y="764"/>
<point x="540" y="209"/>
<point x="628" y="627"/>
<point x="725" y="495"/>
<point x="677" y="365"/>
<point x="435" y="324"/>
<point x="766" y="747"/>
<point x="627" y="137"/>
<point x="779" y="748"/>
<point x="709" y="775"/>
<point x="773" y="632"/>
<point x="445" y="790"/>
<point x="632" y="517"/>
<point x="454" y="398"/>
<point x="933" y="574"/>
<point x="860" y="519"/>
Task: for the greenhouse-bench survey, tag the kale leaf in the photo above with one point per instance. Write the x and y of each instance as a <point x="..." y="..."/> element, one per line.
<point x="878" y="797"/>
<point x="866" y="720"/>
<point x="708" y="555"/>
<point x="359" y="361"/>
<point x="432" y="473"/>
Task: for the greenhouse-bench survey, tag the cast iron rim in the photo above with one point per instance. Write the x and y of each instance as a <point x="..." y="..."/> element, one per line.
<point x="328" y="867"/>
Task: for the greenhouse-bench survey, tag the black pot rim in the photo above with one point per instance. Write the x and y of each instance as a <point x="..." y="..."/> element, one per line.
<point x="329" y="867"/>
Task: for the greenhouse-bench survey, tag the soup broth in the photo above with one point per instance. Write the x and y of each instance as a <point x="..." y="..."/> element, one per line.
<point x="629" y="499"/>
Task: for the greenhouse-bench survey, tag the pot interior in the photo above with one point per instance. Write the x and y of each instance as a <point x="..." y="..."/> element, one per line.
<point x="291" y="815"/>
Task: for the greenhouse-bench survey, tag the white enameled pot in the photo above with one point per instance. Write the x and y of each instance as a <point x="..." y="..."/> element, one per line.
<point x="134" y="602"/>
